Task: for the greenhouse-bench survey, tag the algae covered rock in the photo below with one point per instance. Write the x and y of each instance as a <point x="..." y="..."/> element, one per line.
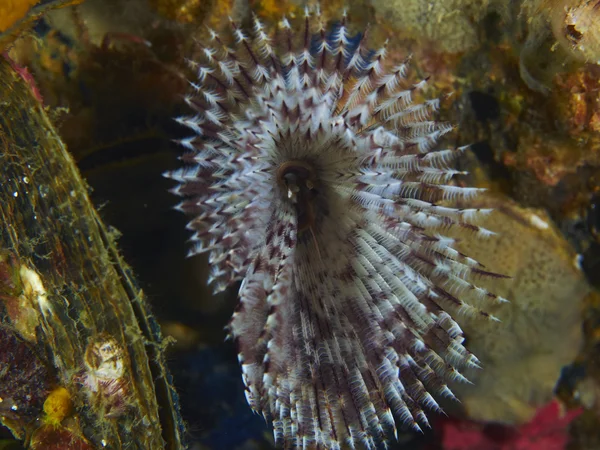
<point x="71" y="313"/>
<point x="451" y="25"/>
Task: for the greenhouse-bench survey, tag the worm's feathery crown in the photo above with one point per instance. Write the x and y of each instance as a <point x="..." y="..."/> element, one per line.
<point x="310" y="176"/>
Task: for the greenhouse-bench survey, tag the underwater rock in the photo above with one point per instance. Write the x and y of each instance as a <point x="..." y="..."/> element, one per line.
<point x="451" y="25"/>
<point x="560" y="35"/>
<point x="577" y="104"/>
<point x="540" y="329"/>
<point x="18" y="15"/>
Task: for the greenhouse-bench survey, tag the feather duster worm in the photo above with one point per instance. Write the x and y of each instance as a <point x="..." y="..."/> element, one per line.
<point x="311" y="179"/>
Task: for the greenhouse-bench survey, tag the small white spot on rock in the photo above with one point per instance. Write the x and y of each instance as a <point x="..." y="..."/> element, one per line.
<point x="537" y="222"/>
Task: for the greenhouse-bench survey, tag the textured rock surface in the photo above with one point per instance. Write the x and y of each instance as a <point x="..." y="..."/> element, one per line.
<point x="64" y="288"/>
<point x="540" y="330"/>
<point x="450" y="24"/>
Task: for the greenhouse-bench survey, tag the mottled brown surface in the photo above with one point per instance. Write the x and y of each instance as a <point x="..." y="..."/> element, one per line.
<point x="72" y="277"/>
<point x="540" y="329"/>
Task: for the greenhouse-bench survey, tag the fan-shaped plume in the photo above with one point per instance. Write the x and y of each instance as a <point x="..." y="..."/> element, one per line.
<point x="310" y="177"/>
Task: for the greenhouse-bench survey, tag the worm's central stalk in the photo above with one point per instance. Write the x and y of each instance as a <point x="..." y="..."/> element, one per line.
<point x="299" y="181"/>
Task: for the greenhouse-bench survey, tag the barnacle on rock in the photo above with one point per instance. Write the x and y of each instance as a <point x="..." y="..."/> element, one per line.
<point x="311" y="178"/>
<point x="575" y="27"/>
<point x="561" y="35"/>
<point x="104" y="379"/>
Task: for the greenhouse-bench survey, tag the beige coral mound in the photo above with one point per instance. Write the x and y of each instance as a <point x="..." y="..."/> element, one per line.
<point x="540" y="330"/>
